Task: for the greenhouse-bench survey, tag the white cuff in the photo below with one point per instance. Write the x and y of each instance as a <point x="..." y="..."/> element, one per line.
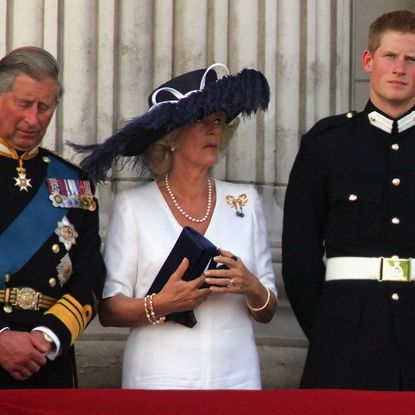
<point x="53" y="353"/>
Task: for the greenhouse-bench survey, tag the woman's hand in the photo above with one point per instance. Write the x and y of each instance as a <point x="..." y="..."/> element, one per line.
<point x="235" y="278"/>
<point x="178" y="295"/>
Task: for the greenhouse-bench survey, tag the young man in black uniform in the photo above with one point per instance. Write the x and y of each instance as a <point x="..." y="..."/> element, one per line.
<point x="351" y="198"/>
<point x="51" y="269"/>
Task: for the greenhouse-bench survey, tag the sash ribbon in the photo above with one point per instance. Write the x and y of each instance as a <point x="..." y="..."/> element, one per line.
<point x="33" y="227"/>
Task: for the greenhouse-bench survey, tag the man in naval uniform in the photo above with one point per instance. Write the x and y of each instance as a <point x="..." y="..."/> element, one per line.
<point x="51" y="269"/>
<point x="351" y="199"/>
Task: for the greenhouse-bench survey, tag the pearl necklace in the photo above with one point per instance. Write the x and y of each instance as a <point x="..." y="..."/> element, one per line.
<point x="181" y="210"/>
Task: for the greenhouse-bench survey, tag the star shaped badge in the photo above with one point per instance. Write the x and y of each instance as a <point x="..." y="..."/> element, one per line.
<point x="66" y="233"/>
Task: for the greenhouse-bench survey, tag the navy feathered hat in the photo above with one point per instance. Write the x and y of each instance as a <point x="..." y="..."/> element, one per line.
<point x="178" y="103"/>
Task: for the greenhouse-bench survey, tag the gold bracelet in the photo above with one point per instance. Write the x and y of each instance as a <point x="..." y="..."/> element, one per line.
<point x="266" y="302"/>
<point x="149" y="310"/>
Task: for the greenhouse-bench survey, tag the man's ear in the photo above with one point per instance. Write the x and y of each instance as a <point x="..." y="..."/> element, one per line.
<point x="367" y="61"/>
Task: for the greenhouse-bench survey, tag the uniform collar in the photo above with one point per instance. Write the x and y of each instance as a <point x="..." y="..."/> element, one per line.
<point x="7" y="150"/>
<point x="389" y="125"/>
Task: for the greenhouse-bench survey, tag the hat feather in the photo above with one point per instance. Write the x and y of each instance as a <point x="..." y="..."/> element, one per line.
<point x="242" y="94"/>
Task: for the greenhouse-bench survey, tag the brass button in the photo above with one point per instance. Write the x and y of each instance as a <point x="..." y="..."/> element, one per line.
<point x="7" y="308"/>
<point x="352" y="198"/>
<point x="46" y="159"/>
<point x="7" y="277"/>
<point x="395" y="146"/>
<point x="396" y="181"/>
<point x="349" y="114"/>
<point x="396" y="221"/>
<point x="56" y="248"/>
<point x="395" y="297"/>
<point x="52" y="282"/>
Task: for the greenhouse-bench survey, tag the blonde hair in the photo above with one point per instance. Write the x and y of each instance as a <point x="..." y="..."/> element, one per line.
<point x="158" y="157"/>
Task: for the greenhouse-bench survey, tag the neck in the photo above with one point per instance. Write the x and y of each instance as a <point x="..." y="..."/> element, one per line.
<point x="7" y="143"/>
<point x="193" y="197"/>
<point x="192" y="182"/>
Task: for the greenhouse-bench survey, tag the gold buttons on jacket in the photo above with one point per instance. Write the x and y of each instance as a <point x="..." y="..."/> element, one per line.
<point x="395" y="146"/>
<point x="46" y="159"/>
<point x="52" y="282"/>
<point x="7" y="308"/>
<point x="349" y="114"/>
<point x="396" y="221"/>
<point x="396" y="181"/>
<point x="7" y="278"/>
<point x="56" y="248"/>
<point x="395" y="297"/>
<point x="352" y="197"/>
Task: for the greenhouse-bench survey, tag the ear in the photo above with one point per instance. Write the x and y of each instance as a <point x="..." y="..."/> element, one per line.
<point x="367" y="61"/>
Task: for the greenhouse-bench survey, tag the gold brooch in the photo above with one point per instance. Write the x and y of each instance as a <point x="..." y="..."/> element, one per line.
<point x="67" y="233"/>
<point x="237" y="203"/>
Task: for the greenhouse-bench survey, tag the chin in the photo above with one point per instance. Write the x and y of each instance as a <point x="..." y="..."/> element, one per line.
<point x="25" y="144"/>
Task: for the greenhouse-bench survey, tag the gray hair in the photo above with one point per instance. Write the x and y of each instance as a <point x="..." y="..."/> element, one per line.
<point x="37" y="63"/>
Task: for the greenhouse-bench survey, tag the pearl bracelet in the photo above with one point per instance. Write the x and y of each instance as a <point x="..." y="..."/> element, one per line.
<point x="266" y="302"/>
<point x="149" y="310"/>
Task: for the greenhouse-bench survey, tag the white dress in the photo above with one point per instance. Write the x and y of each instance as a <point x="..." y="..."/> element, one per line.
<point x="219" y="352"/>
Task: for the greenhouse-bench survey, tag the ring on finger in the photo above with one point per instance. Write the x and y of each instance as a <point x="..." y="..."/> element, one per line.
<point x="230" y="284"/>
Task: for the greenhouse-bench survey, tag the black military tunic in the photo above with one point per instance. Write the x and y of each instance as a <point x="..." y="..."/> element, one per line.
<point x="72" y="273"/>
<point x="351" y="193"/>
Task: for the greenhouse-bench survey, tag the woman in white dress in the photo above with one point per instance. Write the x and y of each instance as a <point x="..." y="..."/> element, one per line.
<point x="179" y="140"/>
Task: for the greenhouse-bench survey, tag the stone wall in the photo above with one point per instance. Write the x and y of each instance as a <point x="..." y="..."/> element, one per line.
<point x="114" y="52"/>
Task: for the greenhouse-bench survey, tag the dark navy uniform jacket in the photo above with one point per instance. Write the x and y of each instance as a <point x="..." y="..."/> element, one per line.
<point x="77" y="297"/>
<point x="361" y="332"/>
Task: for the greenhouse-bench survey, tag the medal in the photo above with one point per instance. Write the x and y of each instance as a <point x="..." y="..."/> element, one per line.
<point x="21" y="180"/>
<point x="7" y="150"/>
<point x="68" y="193"/>
<point x="64" y="269"/>
<point x="66" y="233"/>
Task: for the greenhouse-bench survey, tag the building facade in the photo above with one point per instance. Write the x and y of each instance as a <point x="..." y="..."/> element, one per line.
<point x="114" y="52"/>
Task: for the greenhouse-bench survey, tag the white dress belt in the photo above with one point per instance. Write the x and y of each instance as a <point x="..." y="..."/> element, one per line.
<point x="376" y="268"/>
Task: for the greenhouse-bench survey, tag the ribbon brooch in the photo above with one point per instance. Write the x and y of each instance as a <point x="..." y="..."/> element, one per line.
<point x="238" y="203"/>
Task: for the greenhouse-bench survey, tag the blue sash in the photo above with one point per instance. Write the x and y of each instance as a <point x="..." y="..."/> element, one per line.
<point x="30" y="230"/>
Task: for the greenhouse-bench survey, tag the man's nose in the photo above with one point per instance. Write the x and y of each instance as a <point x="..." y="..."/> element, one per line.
<point x="400" y="66"/>
<point x="32" y="116"/>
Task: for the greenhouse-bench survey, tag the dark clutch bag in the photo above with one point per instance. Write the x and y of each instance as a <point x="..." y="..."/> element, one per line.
<point x="199" y="250"/>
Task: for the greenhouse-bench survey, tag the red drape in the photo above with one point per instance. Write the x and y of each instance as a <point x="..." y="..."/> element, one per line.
<point x="280" y="402"/>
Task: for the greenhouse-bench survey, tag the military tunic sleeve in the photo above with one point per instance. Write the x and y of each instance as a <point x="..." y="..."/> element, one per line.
<point x="303" y="232"/>
<point x="75" y="309"/>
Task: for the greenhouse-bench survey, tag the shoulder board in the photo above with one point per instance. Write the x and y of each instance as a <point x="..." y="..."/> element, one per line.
<point x="57" y="157"/>
<point x="332" y="122"/>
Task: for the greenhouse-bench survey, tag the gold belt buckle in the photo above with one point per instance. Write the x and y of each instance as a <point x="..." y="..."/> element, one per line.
<point x="395" y="269"/>
<point x="27" y="298"/>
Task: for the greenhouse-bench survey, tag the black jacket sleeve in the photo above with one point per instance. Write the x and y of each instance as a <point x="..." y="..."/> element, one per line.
<point x="305" y="211"/>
